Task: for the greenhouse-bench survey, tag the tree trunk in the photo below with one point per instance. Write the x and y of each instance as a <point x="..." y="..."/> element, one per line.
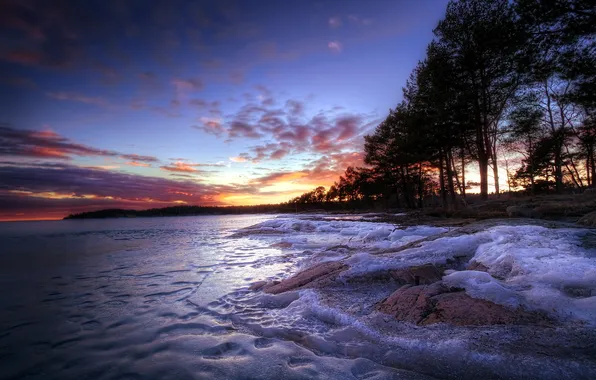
<point x="575" y="172"/>
<point x="420" y="186"/>
<point x="442" y="180"/>
<point x="558" y="145"/>
<point x="463" y="173"/>
<point x="483" y="169"/>
<point x="495" y="169"/>
<point x="592" y="166"/>
<point x="448" y="163"/>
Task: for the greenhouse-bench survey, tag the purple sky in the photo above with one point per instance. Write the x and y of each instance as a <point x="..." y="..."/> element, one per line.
<point x="152" y="103"/>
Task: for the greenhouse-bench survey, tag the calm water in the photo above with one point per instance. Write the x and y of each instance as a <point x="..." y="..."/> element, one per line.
<point x="168" y="298"/>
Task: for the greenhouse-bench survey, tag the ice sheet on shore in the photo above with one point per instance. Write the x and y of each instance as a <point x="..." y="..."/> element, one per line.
<point x="532" y="266"/>
<point x="309" y="233"/>
<point x="548" y="268"/>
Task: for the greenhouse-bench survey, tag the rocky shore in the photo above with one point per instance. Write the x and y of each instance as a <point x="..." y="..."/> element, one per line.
<point x="426" y="293"/>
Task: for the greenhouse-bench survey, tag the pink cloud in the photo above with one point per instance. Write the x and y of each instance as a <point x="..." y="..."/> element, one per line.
<point x="238" y="159"/>
<point x="181" y="167"/>
<point x="139" y="164"/>
<point x="335" y="47"/>
<point x="49" y="144"/>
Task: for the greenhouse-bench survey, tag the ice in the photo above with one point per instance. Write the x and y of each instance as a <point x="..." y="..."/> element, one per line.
<point x="552" y="269"/>
<point x="379" y="233"/>
<point x="537" y="267"/>
<point x="417" y="231"/>
<point x="431" y="252"/>
<point x="482" y="285"/>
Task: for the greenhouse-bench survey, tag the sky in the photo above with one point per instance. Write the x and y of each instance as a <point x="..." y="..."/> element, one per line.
<point x="142" y="104"/>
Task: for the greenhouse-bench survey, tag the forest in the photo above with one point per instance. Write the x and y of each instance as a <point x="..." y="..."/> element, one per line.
<point x="505" y="87"/>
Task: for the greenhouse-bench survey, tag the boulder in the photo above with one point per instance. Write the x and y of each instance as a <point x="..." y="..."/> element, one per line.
<point x="411" y="303"/>
<point x="418" y="275"/>
<point x="588" y="219"/>
<point x="318" y="275"/>
<point x="435" y="303"/>
<point x="458" y="308"/>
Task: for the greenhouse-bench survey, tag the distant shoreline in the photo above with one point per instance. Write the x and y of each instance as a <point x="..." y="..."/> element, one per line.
<point x="178" y="211"/>
<point x="215" y="210"/>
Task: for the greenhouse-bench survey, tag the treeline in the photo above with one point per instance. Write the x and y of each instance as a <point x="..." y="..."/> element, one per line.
<point x="182" y="211"/>
<point x="505" y="84"/>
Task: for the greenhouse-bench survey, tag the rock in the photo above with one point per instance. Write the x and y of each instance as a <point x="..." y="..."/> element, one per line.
<point x="458" y="308"/>
<point x="418" y="275"/>
<point x="411" y="303"/>
<point x="589" y="193"/>
<point x="317" y="275"/>
<point x="257" y="285"/>
<point x="475" y="265"/>
<point x="282" y="244"/>
<point x="588" y="219"/>
<point x="523" y="212"/>
<point x="435" y="303"/>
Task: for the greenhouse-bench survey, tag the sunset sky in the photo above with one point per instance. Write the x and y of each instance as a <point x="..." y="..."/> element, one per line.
<point x="141" y="104"/>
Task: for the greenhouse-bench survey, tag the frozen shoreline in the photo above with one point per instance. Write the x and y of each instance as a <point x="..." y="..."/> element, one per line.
<point x="539" y="275"/>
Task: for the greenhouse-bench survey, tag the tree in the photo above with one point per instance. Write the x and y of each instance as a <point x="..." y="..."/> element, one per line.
<point x="523" y="135"/>
<point x="485" y="43"/>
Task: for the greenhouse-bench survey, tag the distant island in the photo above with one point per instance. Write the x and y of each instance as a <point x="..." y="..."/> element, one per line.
<point x="182" y="211"/>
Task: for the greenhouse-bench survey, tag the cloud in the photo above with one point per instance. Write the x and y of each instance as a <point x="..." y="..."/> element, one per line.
<point x="287" y="130"/>
<point x="334" y="22"/>
<point x="181" y="166"/>
<point x="335" y="47"/>
<point x="210" y="107"/>
<point x="63" y="186"/>
<point x="48" y="144"/>
<point x="136" y="157"/>
<point x="98" y="101"/>
<point x="239" y="128"/>
<point x="57" y="189"/>
<point x="187" y="85"/>
<point x="139" y="164"/>
<point x="238" y="159"/>
<point x="322" y="171"/>
<point x="275" y="178"/>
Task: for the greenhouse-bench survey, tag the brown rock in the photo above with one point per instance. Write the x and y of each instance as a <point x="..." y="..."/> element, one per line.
<point x="475" y="265"/>
<point x="458" y="308"/>
<point x="429" y="304"/>
<point x="411" y="303"/>
<point x="315" y="276"/>
<point x="418" y="275"/>
<point x="257" y="285"/>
